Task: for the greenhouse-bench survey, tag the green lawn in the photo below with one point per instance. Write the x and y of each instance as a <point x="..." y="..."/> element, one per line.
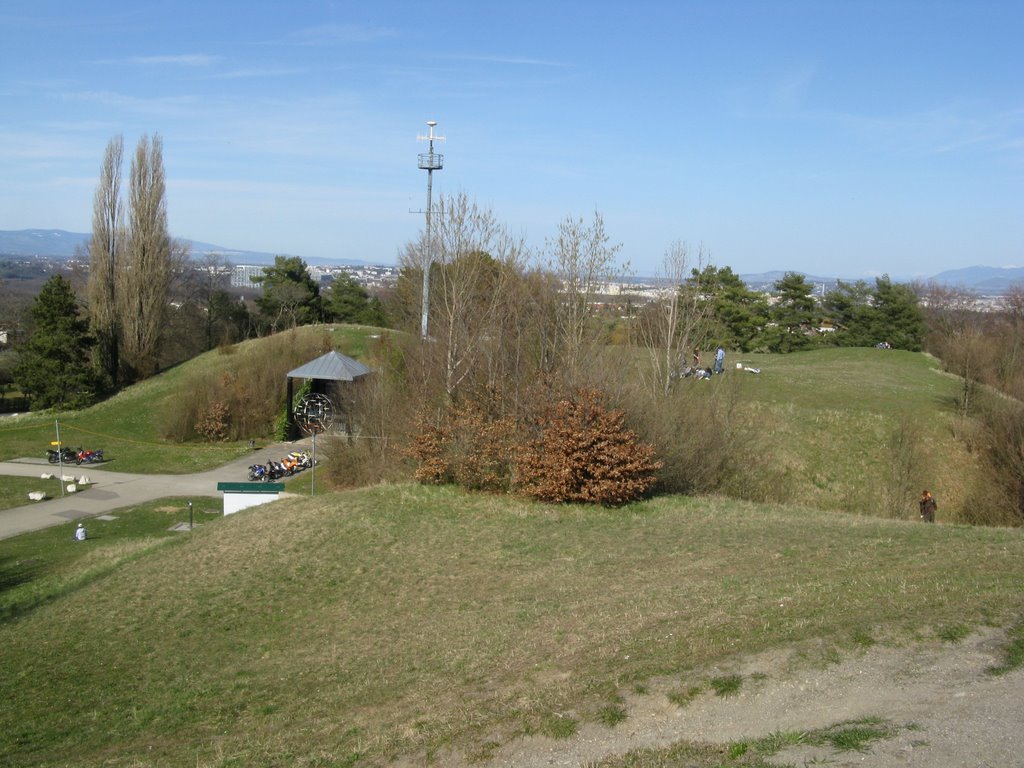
<point x="829" y="418"/>
<point x="400" y="620"/>
<point x="14" y="491"/>
<point x="40" y="567"/>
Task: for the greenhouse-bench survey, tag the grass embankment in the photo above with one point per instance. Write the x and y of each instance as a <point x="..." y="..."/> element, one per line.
<point x="830" y="420"/>
<point x="128" y="426"/>
<point x="353" y="627"/>
<point x="38" y="568"/>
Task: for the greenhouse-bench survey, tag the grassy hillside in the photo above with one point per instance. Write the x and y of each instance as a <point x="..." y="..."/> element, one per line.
<point x="832" y="417"/>
<point x="824" y="422"/>
<point x="827" y="424"/>
<point x="127" y="427"/>
<point x="354" y="627"/>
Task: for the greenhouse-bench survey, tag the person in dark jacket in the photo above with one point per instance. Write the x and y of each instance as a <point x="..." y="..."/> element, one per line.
<point x="928" y="506"/>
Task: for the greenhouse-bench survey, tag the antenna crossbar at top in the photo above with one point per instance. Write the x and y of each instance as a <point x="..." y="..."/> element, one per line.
<point x="431" y="137"/>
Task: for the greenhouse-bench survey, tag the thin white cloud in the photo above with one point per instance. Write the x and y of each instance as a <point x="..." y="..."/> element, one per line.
<point x="791" y="91"/>
<point x="515" y="60"/>
<point x="170" y="105"/>
<point x="946" y="130"/>
<point x="333" y="34"/>
<point x="176" y="60"/>
<point x="37" y="147"/>
<point x="258" y="72"/>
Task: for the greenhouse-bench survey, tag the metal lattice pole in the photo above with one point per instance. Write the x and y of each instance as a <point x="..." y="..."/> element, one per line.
<point x="429" y="162"/>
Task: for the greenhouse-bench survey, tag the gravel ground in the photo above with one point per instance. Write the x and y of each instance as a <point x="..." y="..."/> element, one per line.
<point x="951" y="712"/>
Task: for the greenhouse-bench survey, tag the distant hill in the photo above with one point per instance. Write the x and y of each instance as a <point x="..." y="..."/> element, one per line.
<point x="61" y="244"/>
<point x="982" y="279"/>
<point x="54" y="243"/>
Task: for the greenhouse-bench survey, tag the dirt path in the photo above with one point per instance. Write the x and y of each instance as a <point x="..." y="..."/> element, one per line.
<point x="961" y="716"/>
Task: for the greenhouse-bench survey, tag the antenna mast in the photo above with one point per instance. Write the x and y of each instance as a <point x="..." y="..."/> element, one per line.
<point x="429" y="161"/>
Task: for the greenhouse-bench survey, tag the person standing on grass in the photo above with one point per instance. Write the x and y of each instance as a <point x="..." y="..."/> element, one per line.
<point x="928" y="506"/>
<point x="80" y="533"/>
<point x="720" y="360"/>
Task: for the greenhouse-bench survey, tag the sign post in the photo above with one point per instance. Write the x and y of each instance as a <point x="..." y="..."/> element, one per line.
<point x="314" y="414"/>
<point x="60" y="456"/>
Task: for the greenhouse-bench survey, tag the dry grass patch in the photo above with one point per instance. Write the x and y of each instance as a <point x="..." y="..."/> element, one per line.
<point x="398" y="620"/>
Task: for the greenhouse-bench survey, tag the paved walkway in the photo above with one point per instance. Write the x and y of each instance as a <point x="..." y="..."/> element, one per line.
<point x="110" y="490"/>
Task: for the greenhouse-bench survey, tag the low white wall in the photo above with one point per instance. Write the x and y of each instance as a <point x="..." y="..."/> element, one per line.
<point x="236" y="502"/>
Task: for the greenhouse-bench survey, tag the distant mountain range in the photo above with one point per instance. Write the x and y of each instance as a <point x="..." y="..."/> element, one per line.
<point x="60" y="244"/>
<point x="986" y="280"/>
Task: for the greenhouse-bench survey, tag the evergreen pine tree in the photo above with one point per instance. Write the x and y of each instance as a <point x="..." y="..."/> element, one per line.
<point x="54" y="367"/>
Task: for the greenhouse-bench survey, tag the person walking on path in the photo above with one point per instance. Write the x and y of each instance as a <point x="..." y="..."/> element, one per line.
<point x="928" y="506"/>
<point x="720" y="360"/>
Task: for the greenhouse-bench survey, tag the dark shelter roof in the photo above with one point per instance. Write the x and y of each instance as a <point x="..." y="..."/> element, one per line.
<point x="333" y="366"/>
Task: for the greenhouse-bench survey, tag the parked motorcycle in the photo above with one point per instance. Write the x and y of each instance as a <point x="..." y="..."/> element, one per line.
<point x="63" y="456"/>
<point x="89" y="457"/>
<point x="303" y="458"/>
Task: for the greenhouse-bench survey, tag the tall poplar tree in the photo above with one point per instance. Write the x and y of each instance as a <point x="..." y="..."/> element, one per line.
<point x="144" y="277"/>
<point x="104" y="255"/>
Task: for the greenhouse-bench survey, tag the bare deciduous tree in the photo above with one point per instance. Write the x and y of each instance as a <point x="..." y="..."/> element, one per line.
<point x="202" y="280"/>
<point x="671" y="324"/>
<point x="582" y="257"/>
<point x="478" y="262"/>
<point x="957" y="336"/>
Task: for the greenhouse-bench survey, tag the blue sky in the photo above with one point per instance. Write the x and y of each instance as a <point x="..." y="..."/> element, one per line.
<point x="835" y="138"/>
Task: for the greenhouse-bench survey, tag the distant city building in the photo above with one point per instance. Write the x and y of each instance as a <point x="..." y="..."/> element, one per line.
<point x="243" y="274"/>
<point x="369" y="276"/>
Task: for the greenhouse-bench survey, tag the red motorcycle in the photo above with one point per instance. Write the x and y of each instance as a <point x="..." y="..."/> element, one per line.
<point x="88" y="457"/>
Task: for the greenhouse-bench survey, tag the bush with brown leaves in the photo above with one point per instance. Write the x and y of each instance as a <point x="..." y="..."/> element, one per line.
<point x="583" y="452"/>
<point x="468" y="445"/>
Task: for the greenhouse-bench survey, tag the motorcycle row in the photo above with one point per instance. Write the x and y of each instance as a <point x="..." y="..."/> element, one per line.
<point x="74" y="456"/>
<point x="292" y="464"/>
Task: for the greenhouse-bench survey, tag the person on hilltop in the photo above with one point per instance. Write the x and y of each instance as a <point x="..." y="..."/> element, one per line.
<point x="928" y="506"/>
<point x="720" y="360"/>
